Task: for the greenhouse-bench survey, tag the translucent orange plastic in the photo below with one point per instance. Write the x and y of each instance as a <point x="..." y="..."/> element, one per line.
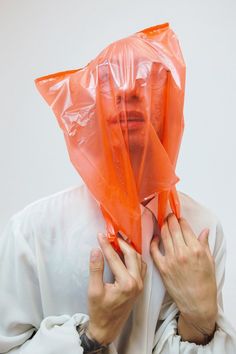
<point x="122" y="118"/>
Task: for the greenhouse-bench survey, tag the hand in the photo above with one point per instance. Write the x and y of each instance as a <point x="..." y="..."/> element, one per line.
<point x="110" y="304"/>
<point x="188" y="271"/>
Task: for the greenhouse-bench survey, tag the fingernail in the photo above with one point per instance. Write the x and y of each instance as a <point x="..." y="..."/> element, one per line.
<point x="95" y="255"/>
<point x="101" y="236"/>
<point x="167" y="216"/>
<point x="155" y="237"/>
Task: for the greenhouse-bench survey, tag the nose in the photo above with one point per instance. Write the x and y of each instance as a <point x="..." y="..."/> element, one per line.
<point x="127" y="96"/>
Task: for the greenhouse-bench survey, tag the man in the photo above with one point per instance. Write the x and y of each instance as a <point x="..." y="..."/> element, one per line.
<point x="135" y="293"/>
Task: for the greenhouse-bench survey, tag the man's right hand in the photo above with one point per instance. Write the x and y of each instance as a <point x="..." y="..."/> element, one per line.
<point x="110" y="304"/>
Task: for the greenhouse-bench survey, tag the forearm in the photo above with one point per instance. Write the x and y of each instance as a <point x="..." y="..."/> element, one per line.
<point x="195" y="333"/>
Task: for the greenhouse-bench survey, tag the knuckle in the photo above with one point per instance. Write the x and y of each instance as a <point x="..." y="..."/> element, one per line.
<point x="139" y="258"/>
<point x="140" y="286"/>
<point x="94" y="294"/>
<point x="212" y="260"/>
<point x="144" y="270"/>
<point x="153" y="248"/>
<point x="198" y="252"/>
<point x="96" y="268"/>
<point x="164" y="226"/>
<point x="131" y="253"/>
<point x="182" y="219"/>
<point x="163" y="269"/>
<point x="112" y="257"/>
<point x="182" y="258"/>
<point x="171" y="263"/>
<point x="130" y="286"/>
<point x="144" y="264"/>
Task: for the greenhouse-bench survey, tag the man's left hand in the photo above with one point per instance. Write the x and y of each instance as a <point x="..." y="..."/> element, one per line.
<point x="187" y="269"/>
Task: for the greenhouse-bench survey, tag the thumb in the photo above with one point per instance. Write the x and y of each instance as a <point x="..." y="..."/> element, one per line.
<point x="203" y="238"/>
<point x="96" y="268"/>
<point x="156" y="254"/>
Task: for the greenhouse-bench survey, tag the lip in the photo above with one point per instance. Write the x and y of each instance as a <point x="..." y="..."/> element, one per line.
<point x="128" y="119"/>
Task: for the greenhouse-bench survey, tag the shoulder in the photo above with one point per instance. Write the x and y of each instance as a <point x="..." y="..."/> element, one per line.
<point x="54" y="214"/>
<point x="191" y="208"/>
<point x="200" y="217"/>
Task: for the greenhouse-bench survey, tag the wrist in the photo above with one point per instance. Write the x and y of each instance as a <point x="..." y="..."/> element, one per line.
<point x="206" y="321"/>
<point x="197" y="332"/>
<point x="89" y="344"/>
<point x="205" y="315"/>
<point x="98" y="334"/>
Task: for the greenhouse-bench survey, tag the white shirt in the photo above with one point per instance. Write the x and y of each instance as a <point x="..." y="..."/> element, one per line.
<point x="44" y="269"/>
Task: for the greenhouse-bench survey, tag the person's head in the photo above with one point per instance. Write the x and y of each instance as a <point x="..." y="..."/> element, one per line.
<point x="131" y="101"/>
<point x="132" y="93"/>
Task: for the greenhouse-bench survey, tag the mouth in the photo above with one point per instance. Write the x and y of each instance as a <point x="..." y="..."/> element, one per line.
<point x="128" y="119"/>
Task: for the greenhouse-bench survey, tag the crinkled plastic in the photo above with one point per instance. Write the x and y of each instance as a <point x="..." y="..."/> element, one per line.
<point x="122" y="119"/>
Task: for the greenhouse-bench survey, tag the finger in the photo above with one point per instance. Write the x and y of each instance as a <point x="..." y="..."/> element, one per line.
<point x="115" y="263"/>
<point x="131" y="258"/>
<point x="204" y="239"/>
<point x="156" y="254"/>
<point x="176" y="233"/>
<point x="167" y="239"/>
<point x="143" y="269"/>
<point x="96" y="268"/>
<point x="140" y="261"/>
<point x="189" y="235"/>
<point x="123" y="237"/>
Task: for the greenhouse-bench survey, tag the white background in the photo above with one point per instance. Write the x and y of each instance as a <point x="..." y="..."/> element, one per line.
<point x="46" y="36"/>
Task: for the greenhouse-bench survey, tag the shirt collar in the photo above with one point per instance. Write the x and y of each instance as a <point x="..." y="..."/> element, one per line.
<point x="152" y="206"/>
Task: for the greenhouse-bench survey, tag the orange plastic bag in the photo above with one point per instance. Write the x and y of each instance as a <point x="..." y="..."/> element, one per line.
<point x="122" y="118"/>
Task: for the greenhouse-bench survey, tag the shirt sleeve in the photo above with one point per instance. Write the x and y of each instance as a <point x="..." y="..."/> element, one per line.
<point x="224" y="341"/>
<point x="23" y="329"/>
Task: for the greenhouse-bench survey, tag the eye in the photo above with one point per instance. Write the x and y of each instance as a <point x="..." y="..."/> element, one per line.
<point x="104" y="77"/>
<point x="118" y="99"/>
<point x="140" y="82"/>
<point x="134" y="97"/>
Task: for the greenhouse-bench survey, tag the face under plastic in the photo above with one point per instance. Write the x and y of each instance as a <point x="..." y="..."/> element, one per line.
<point x="122" y="118"/>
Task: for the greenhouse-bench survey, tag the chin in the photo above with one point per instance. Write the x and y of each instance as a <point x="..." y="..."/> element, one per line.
<point x="136" y="142"/>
